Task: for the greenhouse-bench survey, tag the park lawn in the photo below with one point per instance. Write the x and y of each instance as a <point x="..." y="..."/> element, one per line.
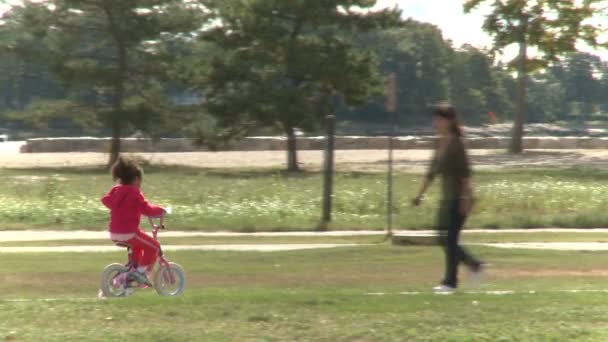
<point x="322" y="295"/>
<point x="269" y="200"/>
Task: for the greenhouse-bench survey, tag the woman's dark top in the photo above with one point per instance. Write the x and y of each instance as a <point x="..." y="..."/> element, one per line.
<point x="453" y="166"/>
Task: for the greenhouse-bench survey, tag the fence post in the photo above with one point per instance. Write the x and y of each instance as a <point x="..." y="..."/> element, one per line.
<point x="328" y="179"/>
<point x="391" y="108"/>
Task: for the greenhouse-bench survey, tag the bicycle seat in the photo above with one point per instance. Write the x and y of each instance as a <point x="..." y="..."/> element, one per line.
<point x="122" y="244"/>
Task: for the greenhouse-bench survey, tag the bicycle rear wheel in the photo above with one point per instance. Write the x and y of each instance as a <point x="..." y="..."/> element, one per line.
<point x="112" y="282"/>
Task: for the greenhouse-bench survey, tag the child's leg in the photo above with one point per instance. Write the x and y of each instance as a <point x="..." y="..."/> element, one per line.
<point x="145" y="249"/>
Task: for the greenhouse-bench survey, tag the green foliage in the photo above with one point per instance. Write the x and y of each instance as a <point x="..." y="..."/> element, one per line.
<point x="254" y="76"/>
<point x="551" y="27"/>
<point x="270" y="200"/>
<point x="110" y="55"/>
<point x="429" y="70"/>
<point x="285" y="62"/>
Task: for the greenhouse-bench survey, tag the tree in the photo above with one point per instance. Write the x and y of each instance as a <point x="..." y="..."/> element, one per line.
<point x="286" y="63"/>
<point x="546" y="100"/>
<point x="110" y="55"/>
<point x="476" y="86"/>
<point x="430" y="69"/>
<point x="21" y="82"/>
<point x="551" y="27"/>
<point x="581" y="73"/>
<point x="418" y="55"/>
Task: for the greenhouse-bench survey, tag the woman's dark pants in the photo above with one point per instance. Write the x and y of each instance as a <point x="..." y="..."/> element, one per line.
<point x="451" y="222"/>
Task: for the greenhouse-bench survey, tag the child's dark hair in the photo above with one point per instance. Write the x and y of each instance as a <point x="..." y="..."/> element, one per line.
<point x="126" y="170"/>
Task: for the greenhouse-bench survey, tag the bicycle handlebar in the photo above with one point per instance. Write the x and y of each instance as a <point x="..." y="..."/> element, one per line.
<point x="161" y="222"/>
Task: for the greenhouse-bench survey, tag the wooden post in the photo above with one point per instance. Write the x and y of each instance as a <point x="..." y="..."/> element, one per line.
<point x="328" y="181"/>
<point x="391" y="108"/>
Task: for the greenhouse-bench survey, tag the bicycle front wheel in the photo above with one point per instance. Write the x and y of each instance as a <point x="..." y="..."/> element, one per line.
<point x="170" y="280"/>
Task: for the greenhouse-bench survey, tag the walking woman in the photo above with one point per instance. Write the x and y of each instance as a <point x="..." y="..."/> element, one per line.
<point x="451" y="163"/>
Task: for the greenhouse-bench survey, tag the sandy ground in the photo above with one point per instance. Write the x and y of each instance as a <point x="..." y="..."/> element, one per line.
<point x="346" y="160"/>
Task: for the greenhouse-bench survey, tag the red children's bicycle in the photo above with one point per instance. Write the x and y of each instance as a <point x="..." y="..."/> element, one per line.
<point x="118" y="280"/>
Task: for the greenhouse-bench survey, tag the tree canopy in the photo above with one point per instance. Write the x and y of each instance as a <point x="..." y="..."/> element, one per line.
<point x="109" y="55"/>
<point x="552" y="27"/>
<point x="240" y="67"/>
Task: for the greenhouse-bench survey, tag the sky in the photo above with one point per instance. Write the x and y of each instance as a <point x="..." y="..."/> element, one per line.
<point x="460" y="28"/>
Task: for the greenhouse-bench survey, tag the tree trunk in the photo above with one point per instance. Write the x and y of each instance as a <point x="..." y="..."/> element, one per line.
<point x="292" y="150"/>
<point x="115" y="144"/>
<point x="522" y="86"/>
<point x="119" y="89"/>
<point x="117" y="104"/>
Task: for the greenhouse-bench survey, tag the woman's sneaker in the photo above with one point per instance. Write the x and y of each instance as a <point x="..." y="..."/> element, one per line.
<point x="444" y="289"/>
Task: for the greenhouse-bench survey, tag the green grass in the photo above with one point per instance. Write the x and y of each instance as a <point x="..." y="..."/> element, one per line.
<point x="310" y="296"/>
<point x="268" y="200"/>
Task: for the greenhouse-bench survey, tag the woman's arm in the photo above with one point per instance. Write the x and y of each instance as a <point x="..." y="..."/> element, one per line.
<point x="428" y="180"/>
<point x="465" y="173"/>
<point x="425" y="186"/>
<point x="466" y="200"/>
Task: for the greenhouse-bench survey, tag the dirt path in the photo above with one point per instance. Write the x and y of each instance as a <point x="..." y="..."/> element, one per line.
<point x="50" y="235"/>
<point x="28" y="236"/>
<point x="55" y="235"/>
<point x="235" y="248"/>
<point x="346" y="160"/>
<point x="553" y="246"/>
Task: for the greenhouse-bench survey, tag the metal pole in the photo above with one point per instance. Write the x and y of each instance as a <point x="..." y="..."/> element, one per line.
<point x="391" y="108"/>
<point x="328" y="182"/>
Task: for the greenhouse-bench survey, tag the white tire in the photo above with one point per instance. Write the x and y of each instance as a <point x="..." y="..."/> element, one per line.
<point x="109" y="287"/>
<point x="162" y="280"/>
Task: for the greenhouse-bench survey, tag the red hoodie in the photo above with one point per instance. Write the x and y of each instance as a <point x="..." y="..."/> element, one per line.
<point x="127" y="204"/>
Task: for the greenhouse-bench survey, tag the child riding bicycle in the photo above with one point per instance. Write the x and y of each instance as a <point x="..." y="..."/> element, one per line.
<point x="127" y="204"/>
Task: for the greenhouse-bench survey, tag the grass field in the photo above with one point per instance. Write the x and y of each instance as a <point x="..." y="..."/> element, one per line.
<point x="321" y="295"/>
<point x="268" y="200"/>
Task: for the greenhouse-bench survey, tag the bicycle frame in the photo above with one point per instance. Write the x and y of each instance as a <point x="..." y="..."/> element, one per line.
<point x="162" y="261"/>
